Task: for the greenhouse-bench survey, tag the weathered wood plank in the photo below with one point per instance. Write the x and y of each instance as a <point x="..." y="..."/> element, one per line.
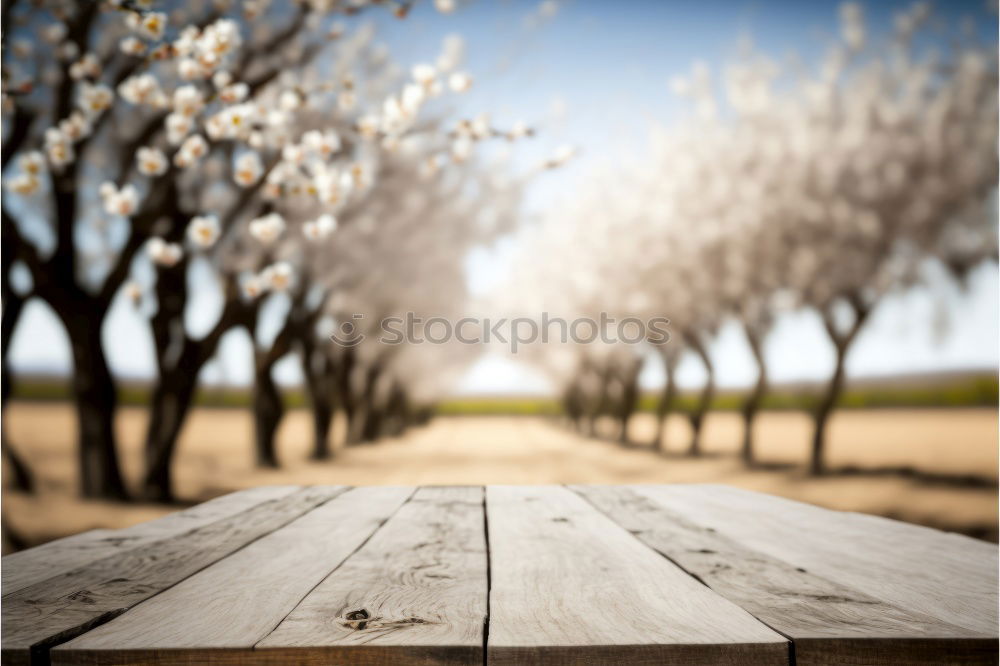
<point x="946" y="576"/>
<point x="828" y="621"/>
<point x="62" y="607"/>
<point x="240" y="599"/>
<point x="414" y="594"/>
<point x="30" y="566"/>
<point x="569" y="585"/>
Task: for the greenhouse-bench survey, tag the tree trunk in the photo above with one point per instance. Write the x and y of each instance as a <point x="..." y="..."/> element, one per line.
<point x="96" y="402"/>
<point x="697" y="417"/>
<point x="169" y="407"/>
<point x="13" y="304"/>
<point x="396" y="417"/>
<point x="630" y="398"/>
<point x="573" y="404"/>
<point x="268" y="411"/>
<point x="373" y="424"/>
<point x="177" y="383"/>
<point x="317" y="370"/>
<point x="322" y="412"/>
<point x="22" y="477"/>
<point x="821" y="415"/>
<point x="666" y="404"/>
<point x="366" y="426"/>
<point x="752" y="404"/>
<point x="600" y="407"/>
<point x="343" y="372"/>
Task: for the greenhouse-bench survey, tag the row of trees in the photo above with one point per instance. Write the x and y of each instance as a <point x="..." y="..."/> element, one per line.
<point x="252" y="154"/>
<point x="789" y="187"/>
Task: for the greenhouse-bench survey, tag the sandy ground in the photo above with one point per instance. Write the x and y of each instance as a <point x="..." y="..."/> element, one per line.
<point x="215" y="457"/>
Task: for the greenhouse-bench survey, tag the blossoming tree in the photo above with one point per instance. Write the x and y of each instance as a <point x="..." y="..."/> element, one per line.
<point x="191" y="134"/>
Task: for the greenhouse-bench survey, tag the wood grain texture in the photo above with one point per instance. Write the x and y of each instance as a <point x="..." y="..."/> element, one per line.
<point x="30" y="566"/>
<point x="828" y="621"/>
<point x="237" y="601"/>
<point x="62" y="607"/>
<point x="580" y="575"/>
<point x="943" y="575"/>
<point x="416" y="593"/>
<point x="570" y="586"/>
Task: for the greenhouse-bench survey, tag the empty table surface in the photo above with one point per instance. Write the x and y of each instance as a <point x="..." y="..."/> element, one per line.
<point x="507" y="575"/>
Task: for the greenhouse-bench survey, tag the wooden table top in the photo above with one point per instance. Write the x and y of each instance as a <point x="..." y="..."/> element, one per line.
<point x="506" y="575"/>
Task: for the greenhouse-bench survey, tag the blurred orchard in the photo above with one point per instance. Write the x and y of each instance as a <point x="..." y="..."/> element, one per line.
<point x="275" y="147"/>
<point x="268" y="143"/>
<point x="821" y="186"/>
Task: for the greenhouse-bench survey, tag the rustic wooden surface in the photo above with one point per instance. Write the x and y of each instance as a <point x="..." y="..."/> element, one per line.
<point x="826" y="620"/>
<point x="565" y="577"/>
<point x="416" y="591"/>
<point x="506" y="575"/>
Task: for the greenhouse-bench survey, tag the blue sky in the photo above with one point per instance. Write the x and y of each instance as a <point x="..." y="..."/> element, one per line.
<point x="596" y="75"/>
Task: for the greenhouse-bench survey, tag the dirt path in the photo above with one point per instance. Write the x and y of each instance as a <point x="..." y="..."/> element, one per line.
<point x="215" y="457"/>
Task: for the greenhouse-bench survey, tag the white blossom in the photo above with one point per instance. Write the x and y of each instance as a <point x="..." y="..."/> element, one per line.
<point x="122" y="201"/>
<point x="293" y="154"/>
<point x="252" y="286"/>
<point x="142" y="89"/>
<point x="178" y="127"/>
<point x="151" y="161"/>
<point x="216" y="41"/>
<point x="32" y="163"/>
<point x="132" y="46"/>
<point x="58" y="148"/>
<point x="188" y="100"/>
<point x="321" y="144"/>
<point x="518" y="130"/>
<point x="452" y="53"/>
<point x="368" y="126"/>
<point x="23" y="183"/>
<point x="319" y="228"/>
<point x="95" y="99"/>
<point x="423" y="74"/>
<point x="267" y="228"/>
<point x="55" y="33"/>
<point x="190" y="69"/>
<point x="445" y="6"/>
<point x="459" y="82"/>
<point x="86" y="67"/>
<point x="234" y="93"/>
<point x="203" y="231"/>
<point x="248" y="169"/>
<point x="289" y="100"/>
<point x="191" y="151"/>
<point x="461" y="149"/>
<point x="76" y="127"/>
<point x="221" y="79"/>
<point x="185" y="43"/>
<point x="150" y="25"/>
<point x="277" y="276"/>
<point x="232" y="122"/>
<point x="163" y="253"/>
